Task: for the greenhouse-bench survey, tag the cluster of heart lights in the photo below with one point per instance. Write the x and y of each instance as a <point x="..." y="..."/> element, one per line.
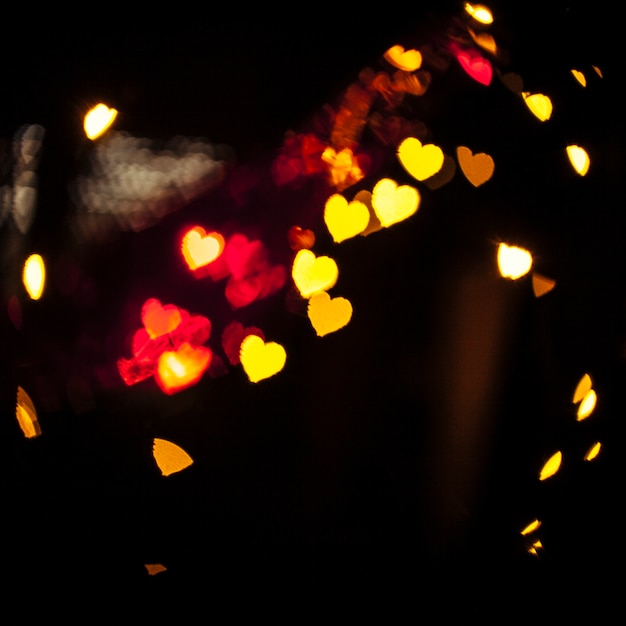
<point x="171" y="344"/>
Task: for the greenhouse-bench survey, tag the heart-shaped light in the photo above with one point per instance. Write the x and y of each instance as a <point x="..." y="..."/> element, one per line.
<point x="259" y="359"/>
<point x="420" y="160"/>
<point x="328" y="314"/>
<point x="407" y="60"/>
<point x="477" y="168"/>
<point x="474" y="64"/>
<point x="312" y="274"/>
<point x="345" y="219"/>
<point x="300" y="238"/>
<point x="393" y="203"/>
<point x="539" y="105"/>
<point x="158" y="319"/>
<point x="98" y="120"/>
<point x="201" y="248"/>
<point x="179" y="369"/>
<point x="513" y="261"/>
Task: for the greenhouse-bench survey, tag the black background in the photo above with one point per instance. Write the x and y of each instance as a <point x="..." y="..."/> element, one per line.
<point x="394" y="461"/>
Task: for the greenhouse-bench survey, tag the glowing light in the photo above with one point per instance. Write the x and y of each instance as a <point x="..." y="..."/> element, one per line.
<point x="34" y="276"/>
<point x="580" y="77"/>
<point x="406" y="60"/>
<point x="393" y="203"/>
<point x="154" y="568"/>
<point x="552" y="465"/>
<point x="479" y="12"/>
<point x="420" y="161"/>
<point x="181" y="368"/>
<point x="485" y="41"/>
<point x="98" y="120"/>
<point x="582" y="388"/>
<point x="542" y="285"/>
<point x="535" y="547"/>
<point x="534" y="525"/>
<point x="593" y="452"/>
<point x="587" y="405"/>
<point x="328" y="314"/>
<point x="474" y="64"/>
<point x="26" y="415"/>
<point x="345" y="219"/>
<point x="513" y="261"/>
<point x="597" y="70"/>
<point x="169" y="457"/>
<point x="477" y="168"/>
<point x="300" y="238"/>
<point x="158" y="319"/>
<point x="344" y="169"/>
<point x="539" y="104"/>
<point x="199" y="248"/>
<point x="578" y="158"/>
<point x="259" y="359"/>
<point x="312" y="274"/>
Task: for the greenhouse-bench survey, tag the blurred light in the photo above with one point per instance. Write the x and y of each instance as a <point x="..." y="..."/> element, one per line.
<point x="578" y="158"/>
<point x="158" y="319"/>
<point x="597" y="70"/>
<point x="393" y="203"/>
<point x="478" y="168"/>
<point x="531" y="527"/>
<point x="345" y="219"/>
<point x="312" y="274"/>
<point x="328" y="314"/>
<point x="485" y="41"/>
<point x="539" y="104"/>
<point x="300" y="238"/>
<point x="593" y="452"/>
<point x="580" y="77"/>
<point x="479" y="12"/>
<point x="513" y="262"/>
<point x="98" y="120"/>
<point x="582" y="388"/>
<point x="26" y="415"/>
<point x="587" y="405"/>
<point x="344" y="169"/>
<point x="475" y="65"/>
<point x="181" y="368"/>
<point x="34" y="276"/>
<point x="420" y="160"/>
<point x="535" y="547"/>
<point x="542" y="284"/>
<point x="551" y="467"/>
<point x="406" y="60"/>
<point x="169" y="457"/>
<point x="201" y="248"/>
<point x="154" y="568"/>
<point x="259" y="359"/>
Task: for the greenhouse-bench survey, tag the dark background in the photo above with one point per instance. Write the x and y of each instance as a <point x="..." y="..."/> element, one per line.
<point x="397" y="458"/>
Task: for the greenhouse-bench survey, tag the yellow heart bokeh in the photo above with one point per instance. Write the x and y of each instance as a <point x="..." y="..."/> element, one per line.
<point x="312" y="274"/>
<point x="420" y="160"/>
<point x="407" y="60"/>
<point x="259" y="359"/>
<point x="478" y="168"/>
<point x="393" y="203"/>
<point x="201" y="248"/>
<point x="345" y="219"/>
<point x="539" y="104"/>
<point x="328" y="314"/>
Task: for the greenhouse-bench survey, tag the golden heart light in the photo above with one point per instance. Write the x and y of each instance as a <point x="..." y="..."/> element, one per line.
<point x="539" y="104"/>
<point x="312" y="274"/>
<point x="393" y="203"/>
<point x="478" y="168"/>
<point x="579" y="159"/>
<point x="345" y="219"/>
<point x="328" y="314"/>
<point x="261" y="359"/>
<point x="170" y="458"/>
<point x="179" y="369"/>
<point x="513" y="261"/>
<point x="406" y="60"/>
<point x="420" y="160"/>
<point x="98" y="120"/>
<point x="580" y="77"/>
<point x="479" y="12"/>
<point x="201" y="248"/>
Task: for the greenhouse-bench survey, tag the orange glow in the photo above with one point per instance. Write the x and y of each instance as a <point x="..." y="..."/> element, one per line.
<point x="477" y="168"/>
<point x="535" y="547"/>
<point x="345" y="219"/>
<point x="587" y="405"/>
<point x="539" y="104"/>
<point x="393" y="203"/>
<point x="344" y="169"/>
<point x="199" y="248"/>
<point x="582" y="388"/>
<point x="34" y="276"/>
<point x="580" y="77"/>
<point x="551" y="467"/>
<point x="259" y="359"/>
<point x="98" y="120"/>
<point x="158" y="319"/>
<point x="534" y="525"/>
<point x="485" y="41"/>
<point x="513" y="262"/>
<point x="26" y="415"/>
<point x="154" y="568"/>
<point x="579" y="159"/>
<point x="542" y="284"/>
<point x="593" y="452"/>
<point x="328" y="314"/>
<point x="179" y="369"/>
<point x="479" y="12"/>
<point x="313" y="274"/>
<point x="406" y="60"/>
<point x="169" y="457"/>
<point x="420" y="161"/>
<point x="597" y="70"/>
<point x="300" y="238"/>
